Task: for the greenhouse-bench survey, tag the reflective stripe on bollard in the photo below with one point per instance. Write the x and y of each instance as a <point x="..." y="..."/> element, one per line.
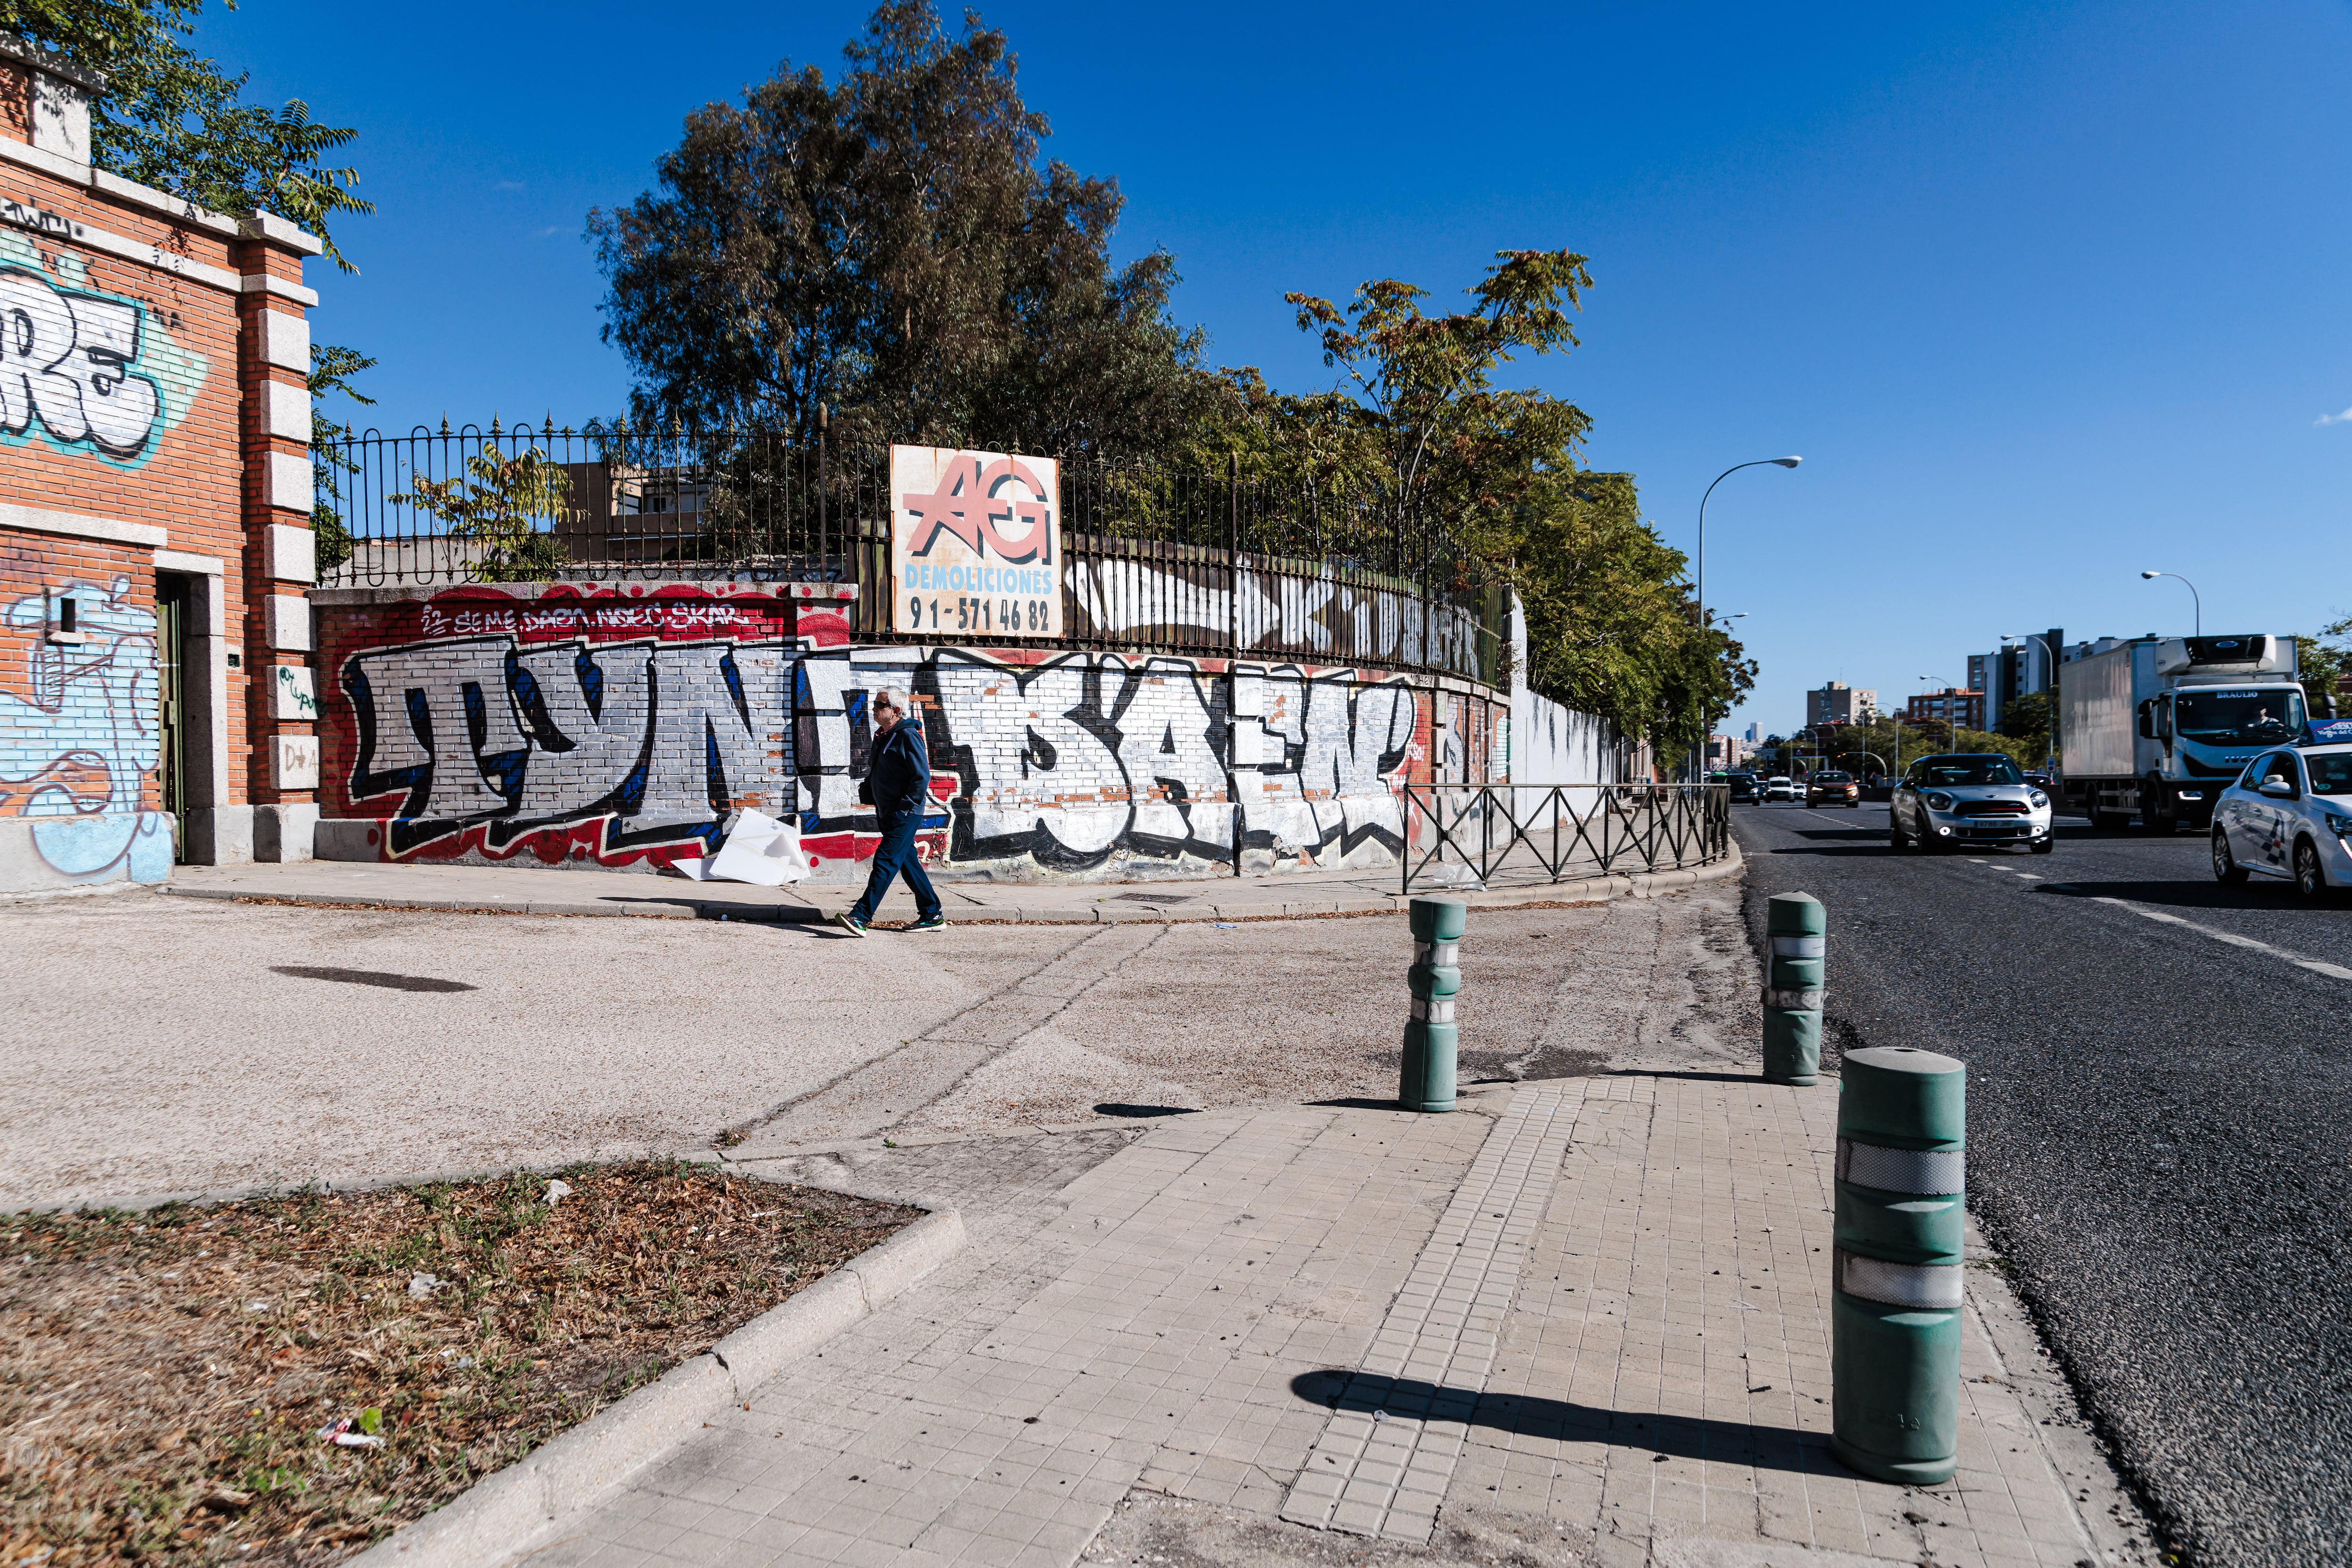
<point x="1431" y="1037"/>
<point x="1795" y="929"/>
<point x="1894" y="1267"/>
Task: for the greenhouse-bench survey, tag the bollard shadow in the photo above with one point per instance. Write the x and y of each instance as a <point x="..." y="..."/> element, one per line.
<point x="1531" y="1416"/>
<point x="1696" y="1077"/>
<point x="1120" y="1108"/>
<point x="1356" y="1102"/>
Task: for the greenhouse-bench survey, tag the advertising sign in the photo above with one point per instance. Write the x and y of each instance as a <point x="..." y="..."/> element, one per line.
<point x="975" y="543"/>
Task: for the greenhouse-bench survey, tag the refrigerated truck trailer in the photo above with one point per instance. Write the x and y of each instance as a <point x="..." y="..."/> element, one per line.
<point x="2158" y="727"/>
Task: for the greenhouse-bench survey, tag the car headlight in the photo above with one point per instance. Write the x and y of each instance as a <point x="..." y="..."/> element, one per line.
<point x="2340" y="826"/>
<point x="2037" y="798"/>
<point x="1940" y="801"/>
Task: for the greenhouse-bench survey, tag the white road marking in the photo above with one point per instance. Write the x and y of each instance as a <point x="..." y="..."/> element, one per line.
<point x="2026" y="874"/>
<point x="2333" y="971"/>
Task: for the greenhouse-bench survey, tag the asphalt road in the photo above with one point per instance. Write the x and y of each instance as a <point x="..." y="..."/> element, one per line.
<point x="2160" y="1126"/>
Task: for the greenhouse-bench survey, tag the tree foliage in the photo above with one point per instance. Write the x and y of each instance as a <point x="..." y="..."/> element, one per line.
<point x="179" y="123"/>
<point x="890" y="244"/>
<point x="501" y="501"/>
<point x="2323" y="661"/>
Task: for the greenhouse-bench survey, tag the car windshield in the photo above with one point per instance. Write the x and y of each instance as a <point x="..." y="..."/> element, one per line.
<point x="1967" y="770"/>
<point x="2224" y="716"/>
<point x="2331" y="772"/>
<point x="1830" y="779"/>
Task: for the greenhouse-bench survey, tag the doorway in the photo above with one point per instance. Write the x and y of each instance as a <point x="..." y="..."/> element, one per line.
<point x="172" y="597"/>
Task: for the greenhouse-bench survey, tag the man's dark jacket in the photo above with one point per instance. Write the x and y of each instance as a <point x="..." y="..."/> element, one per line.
<point x="899" y="770"/>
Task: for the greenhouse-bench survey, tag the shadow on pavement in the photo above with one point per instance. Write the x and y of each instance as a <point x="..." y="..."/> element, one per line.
<point x="1357" y="1103"/>
<point x="1118" y="1108"/>
<point x="2259" y="893"/>
<point x="1755" y="1077"/>
<point x="1667" y="1436"/>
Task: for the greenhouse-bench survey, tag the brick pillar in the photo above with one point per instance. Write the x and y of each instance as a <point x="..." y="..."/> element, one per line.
<point x="280" y="557"/>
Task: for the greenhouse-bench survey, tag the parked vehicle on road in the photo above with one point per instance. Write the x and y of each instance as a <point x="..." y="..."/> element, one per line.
<point x="1832" y="789"/>
<point x="1968" y="800"/>
<point x="2288" y="815"/>
<point x="1779" y="788"/>
<point x="2159" y="727"/>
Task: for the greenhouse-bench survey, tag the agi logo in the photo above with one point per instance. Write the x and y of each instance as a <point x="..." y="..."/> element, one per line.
<point x="997" y="505"/>
<point x="975" y="543"/>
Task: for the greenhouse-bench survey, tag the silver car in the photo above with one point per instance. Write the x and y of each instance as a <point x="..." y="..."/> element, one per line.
<point x="2288" y="815"/>
<point x="1968" y="799"/>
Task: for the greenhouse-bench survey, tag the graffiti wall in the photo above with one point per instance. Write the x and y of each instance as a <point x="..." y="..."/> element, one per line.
<point x="86" y="370"/>
<point x="79" y="736"/>
<point x="592" y="726"/>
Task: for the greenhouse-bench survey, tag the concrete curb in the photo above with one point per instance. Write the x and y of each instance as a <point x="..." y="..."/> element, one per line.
<point x="1630" y="884"/>
<point x="502" y="1516"/>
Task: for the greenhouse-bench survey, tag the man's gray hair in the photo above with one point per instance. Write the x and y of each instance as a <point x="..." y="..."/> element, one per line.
<point x="892" y="698"/>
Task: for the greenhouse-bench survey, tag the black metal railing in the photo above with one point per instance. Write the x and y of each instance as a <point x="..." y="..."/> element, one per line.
<point x="1485" y="835"/>
<point x="1154" y="558"/>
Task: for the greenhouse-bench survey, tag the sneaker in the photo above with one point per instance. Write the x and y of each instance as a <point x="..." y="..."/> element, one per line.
<point x="936" y="923"/>
<point x="850" y="923"/>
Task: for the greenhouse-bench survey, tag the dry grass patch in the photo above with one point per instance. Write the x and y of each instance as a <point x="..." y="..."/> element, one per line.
<point x="174" y="1383"/>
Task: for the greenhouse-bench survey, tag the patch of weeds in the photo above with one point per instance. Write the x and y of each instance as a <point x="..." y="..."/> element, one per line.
<point x="172" y="1382"/>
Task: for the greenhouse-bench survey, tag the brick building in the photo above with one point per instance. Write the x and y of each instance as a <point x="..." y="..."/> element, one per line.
<point x="156" y="701"/>
<point x="1953" y="705"/>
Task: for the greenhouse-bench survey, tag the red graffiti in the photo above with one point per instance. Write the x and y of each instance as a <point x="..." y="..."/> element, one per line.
<point x="81" y="777"/>
<point x="969" y="503"/>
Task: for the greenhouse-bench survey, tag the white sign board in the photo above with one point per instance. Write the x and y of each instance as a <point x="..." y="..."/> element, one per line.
<point x="975" y="543"/>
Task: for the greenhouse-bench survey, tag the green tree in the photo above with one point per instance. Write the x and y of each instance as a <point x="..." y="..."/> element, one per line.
<point x="888" y="244"/>
<point x="501" y="501"/>
<point x="2324" y="661"/>
<point x="2028" y="719"/>
<point x="332" y="369"/>
<point x="170" y="120"/>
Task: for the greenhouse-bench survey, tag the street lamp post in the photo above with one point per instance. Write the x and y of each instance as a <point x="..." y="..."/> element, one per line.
<point x="2197" y="602"/>
<point x="1704" y="625"/>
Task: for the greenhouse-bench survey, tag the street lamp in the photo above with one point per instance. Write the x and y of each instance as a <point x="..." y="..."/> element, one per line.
<point x="2194" y="599"/>
<point x="1719" y="479"/>
<point x="1951" y="728"/>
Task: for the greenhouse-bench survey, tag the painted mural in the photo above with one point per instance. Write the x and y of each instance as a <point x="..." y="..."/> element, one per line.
<point x="80" y="732"/>
<point x="613" y="733"/>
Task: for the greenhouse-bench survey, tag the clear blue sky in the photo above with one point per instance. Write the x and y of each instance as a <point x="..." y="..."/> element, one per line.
<point x="2044" y="294"/>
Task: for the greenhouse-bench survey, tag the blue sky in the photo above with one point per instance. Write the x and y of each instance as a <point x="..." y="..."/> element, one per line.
<point x="2044" y="294"/>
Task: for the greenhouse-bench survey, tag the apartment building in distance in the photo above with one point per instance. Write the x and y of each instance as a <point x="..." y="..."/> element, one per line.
<point x="1961" y="709"/>
<point x="2020" y="667"/>
<point x="1838" y="703"/>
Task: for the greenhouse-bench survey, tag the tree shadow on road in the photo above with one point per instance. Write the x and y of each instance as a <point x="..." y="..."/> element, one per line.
<point x="1531" y="1416"/>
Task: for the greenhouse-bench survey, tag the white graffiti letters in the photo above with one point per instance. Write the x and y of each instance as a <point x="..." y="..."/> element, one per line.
<point x="64" y="362"/>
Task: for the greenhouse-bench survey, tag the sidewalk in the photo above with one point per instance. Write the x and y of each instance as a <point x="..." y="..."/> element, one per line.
<point x="532" y="890"/>
<point x="1583" y="1320"/>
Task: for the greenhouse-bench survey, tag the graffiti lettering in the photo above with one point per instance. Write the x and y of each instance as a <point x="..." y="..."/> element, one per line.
<point x="66" y="362"/>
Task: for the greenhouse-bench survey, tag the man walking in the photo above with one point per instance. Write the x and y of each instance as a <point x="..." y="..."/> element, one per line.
<point x="898" y="785"/>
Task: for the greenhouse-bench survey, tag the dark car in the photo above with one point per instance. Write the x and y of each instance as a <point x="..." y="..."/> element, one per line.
<point x="1743" y="786"/>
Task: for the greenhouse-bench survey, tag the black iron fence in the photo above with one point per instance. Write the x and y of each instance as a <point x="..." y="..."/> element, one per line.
<point x="1487" y="835"/>
<point x="1153" y="557"/>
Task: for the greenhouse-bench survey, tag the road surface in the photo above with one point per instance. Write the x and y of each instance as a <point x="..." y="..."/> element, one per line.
<point x="2160" y="1126"/>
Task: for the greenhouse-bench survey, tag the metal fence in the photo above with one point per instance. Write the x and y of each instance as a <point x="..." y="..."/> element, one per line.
<point x="1154" y="558"/>
<point x="1485" y="835"/>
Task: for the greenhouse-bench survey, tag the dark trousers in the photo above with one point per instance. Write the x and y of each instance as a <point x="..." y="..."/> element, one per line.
<point x="896" y="854"/>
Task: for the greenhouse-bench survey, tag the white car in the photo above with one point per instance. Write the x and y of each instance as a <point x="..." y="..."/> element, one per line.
<point x="1779" y="787"/>
<point x="2288" y="815"/>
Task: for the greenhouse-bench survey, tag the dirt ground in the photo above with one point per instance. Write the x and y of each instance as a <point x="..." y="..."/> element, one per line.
<point x="283" y="1381"/>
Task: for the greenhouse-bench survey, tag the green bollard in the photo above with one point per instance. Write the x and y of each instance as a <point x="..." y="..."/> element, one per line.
<point x="1895" y="1305"/>
<point x="1796" y="927"/>
<point x="1431" y="1036"/>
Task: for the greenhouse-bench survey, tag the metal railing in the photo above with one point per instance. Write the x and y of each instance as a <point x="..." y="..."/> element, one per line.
<point x="1486" y="835"/>
<point x="1154" y="558"/>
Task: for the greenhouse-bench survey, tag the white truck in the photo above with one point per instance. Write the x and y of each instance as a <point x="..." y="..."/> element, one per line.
<point x="2159" y="727"/>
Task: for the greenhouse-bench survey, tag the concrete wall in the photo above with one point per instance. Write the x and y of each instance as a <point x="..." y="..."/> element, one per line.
<point x="619" y="725"/>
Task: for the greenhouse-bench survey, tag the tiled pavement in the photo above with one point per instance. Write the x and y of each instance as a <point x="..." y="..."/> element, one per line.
<point x="1634" y="1355"/>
